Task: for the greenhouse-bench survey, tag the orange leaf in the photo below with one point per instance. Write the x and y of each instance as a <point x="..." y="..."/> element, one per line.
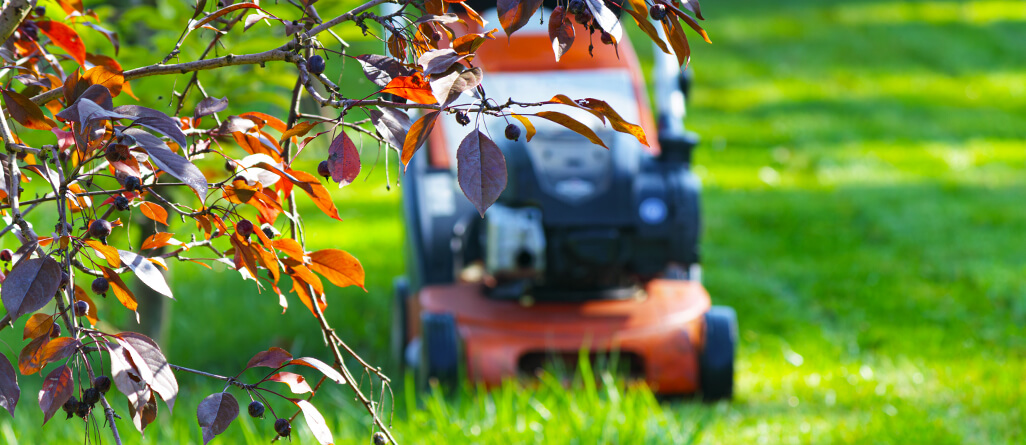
<point x="159" y="239"/>
<point x="154" y="212"/>
<point x="37" y="324"/>
<point x="615" y="120"/>
<point x="417" y="135"/>
<point x="59" y="348"/>
<point x="413" y="87"/>
<point x="317" y="192"/>
<point x="290" y="247"/>
<point x="109" y="252"/>
<point x="64" y="37"/>
<point x="101" y="75"/>
<point x="338" y="266"/>
<point x="30" y="360"/>
<point x="124" y="294"/>
<point x="571" y="124"/>
<point x="298" y="130"/>
<point x="274" y="122"/>
<point x="527" y="125"/>
<point x="80" y="294"/>
<point x="26" y="112"/>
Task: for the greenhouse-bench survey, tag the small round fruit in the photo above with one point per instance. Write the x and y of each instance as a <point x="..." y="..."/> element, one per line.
<point x="607" y="39"/>
<point x="55" y="330"/>
<point x="81" y="308"/>
<point x="462" y="118"/>
<point x="31" y="30"/>
<point x="256" y="409"/>
<point x="283" y="427"/>
<point x="512" y="132"/>
<point x="244" y="228"/>
<point x="90" y="396"/>
<point x="584" y="17"/>
<point x="71" y="405"/>
<point x="315" y="65"/>
<point x="102" y="383"/>
<point x="323" y="170"/>
<point x="40" y="10"/>
<point x="121" y="203"/>
<point x="229" y="167"/>
<point x="269" y="231"/>
<point x="132" y="184"/>
<point x="65" y="279"/>
<point x="83" y="410"/>
<point x="99" y="229"/>
<point x="380" y="438"/>
<point x="575" y="7"/>
<point x="6" y="255"/>
<point x="436" y="36"/>
<point x="657" y="11"/>
<point x="100" y="286"/>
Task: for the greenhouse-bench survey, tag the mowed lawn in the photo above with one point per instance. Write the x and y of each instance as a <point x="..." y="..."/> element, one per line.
<point x="865" y="213"/>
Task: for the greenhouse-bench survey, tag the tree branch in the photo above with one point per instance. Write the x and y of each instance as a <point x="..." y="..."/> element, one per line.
<point x="12" y="16"/>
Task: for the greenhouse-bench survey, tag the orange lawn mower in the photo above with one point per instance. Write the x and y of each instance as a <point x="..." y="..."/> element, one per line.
<point x="587" y="249"/>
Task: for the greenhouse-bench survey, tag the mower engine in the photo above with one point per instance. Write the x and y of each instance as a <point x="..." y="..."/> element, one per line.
<point x="580" y="222"/>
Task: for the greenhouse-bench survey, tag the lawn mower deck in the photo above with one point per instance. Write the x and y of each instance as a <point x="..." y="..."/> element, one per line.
<point x="587" y="250"/>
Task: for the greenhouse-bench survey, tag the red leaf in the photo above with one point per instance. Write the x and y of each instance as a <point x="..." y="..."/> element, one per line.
<point x="413" y="87"/>
<point x="154" y="211"/>
<point x="215" y="413"/>
<point x="30" y="285"/>
<point x="315" y="421"/>
<point x="297" y="383"/>
<point x="9" y="390"/>
<point x="417" y="135"/>
<point x="64" y="37"/>
<point x="338" y="266"/>
<point x="30" y="360"/>
<point x="271" y="358"/>
<point x="328" y="371"/>
<point x="514" y="14"/>
<point x="343" y="160"/>
<point x="481" y="169"/>
<point x="57" y="389"/>
<point x="561" y="31"/>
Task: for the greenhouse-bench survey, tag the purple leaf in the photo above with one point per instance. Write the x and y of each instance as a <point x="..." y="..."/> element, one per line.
<point x="209" y="106"/>
<point x="9" y="390"/>
<point x="315" y="421"/>
<point x="448" y="88"/>
<point x="381" y="69"/>
<point x="514" y="14"/>
<point x="393" y="124"/>
<point x="170" y="162"/>
<point x="30" y="286"/>
<point x="156" y="121"/>
<point x="438" y="60"/>
<point x="164" y="382"/>
<point x="215" y="413"/>
<point x="481" y="169"/>
<point x="57" y="389"/>
<point x="146" y="271"/>
<point x="271" y="358"/>
<point x="343" y="160"/>
<point x="127" y="376"/>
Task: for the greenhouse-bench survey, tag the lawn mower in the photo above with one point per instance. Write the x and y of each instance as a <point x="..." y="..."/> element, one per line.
<point x="587" y="249"/>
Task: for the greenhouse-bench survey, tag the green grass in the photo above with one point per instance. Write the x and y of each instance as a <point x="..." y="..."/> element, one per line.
<point x="864" y="167"/>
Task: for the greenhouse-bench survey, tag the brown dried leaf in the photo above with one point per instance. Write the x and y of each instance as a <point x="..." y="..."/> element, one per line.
<point x="271" y="358"/>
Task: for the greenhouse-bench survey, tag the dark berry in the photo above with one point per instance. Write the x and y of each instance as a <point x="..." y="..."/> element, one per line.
<point x="100" y="286"/>
<point x="99" y="229"/>
<point x="323" y="170"/>
<point x="229" y="166"/>
<point x="575" y="7"/>
<point x="607" y="38"/>
<point x="90" y="396"/>
<point x="512" y="132"/>
<point x="102" y="383"/>
<point x="40" y="10"/>
<point x="315" y="65"/>
<point x="55" y="330"/>
<point x="256" y="409"/>
<point x="244" y="228"/>
<point x="81" y="308"/>
<point x="31" y="30"/>
<point x="269" y="231"/>
<point x="462" y="118"/>
<point x="132" y="184"/>
<point x="63" y="156"/>
<point x="657" y="11"/>
<point x="83" y="410"/>
<point x="283" y="427"/>
<point x="6" y="255"/>
<point x="380" y="438"/>
<point x="436" y="35"/>
<point x="121" y="203"/>
<point x="584" y="17"/>
<point x="71" y="406"/>
<point x="65" y="279"/>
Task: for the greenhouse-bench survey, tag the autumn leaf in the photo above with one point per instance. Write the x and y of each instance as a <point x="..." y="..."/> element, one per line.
<point x="154" y="211"/>
<point x="64" y="37"/>
<point x="338" y="266"/>
<point x="417" y="135"/>
<point x="343" y="160"/>
<point x="571" y="124"/>
<point x="514" y="14"/>
<point x="481" y="169"/>
<point x="57" y="389"/>
<point x="413" y="87"/>
<point x="26" y="112"/>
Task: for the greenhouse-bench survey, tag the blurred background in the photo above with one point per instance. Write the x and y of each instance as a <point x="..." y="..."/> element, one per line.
<point x="864" y="166"/>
